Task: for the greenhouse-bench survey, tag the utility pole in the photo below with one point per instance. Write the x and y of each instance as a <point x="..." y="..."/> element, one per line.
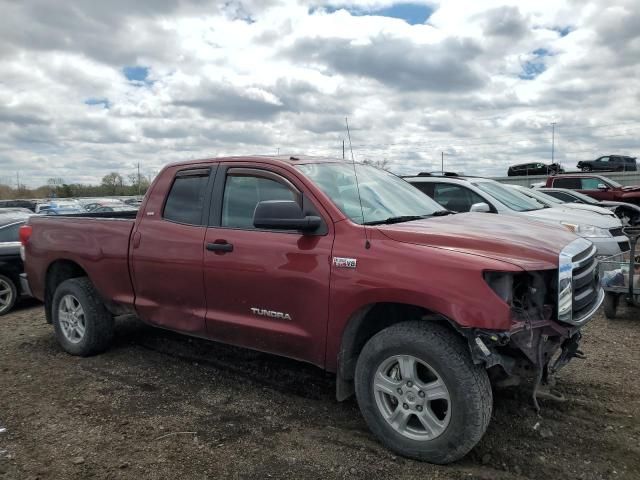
<point x="278" y="151"/>
<point x="138" y="178"/>
<point x="553" y="140"/>
<point x="18" y="181"/>
<point x="343" y="148"/>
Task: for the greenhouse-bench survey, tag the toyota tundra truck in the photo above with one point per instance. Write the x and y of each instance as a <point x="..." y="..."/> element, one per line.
<point x="347" y="267"/>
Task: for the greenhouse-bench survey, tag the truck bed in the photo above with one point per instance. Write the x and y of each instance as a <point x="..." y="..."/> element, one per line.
<point x="98" y="243"/>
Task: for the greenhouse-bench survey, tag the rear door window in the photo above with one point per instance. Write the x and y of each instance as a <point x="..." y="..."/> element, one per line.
<point x="185" y="201"/>
<point x="570" y="183"/>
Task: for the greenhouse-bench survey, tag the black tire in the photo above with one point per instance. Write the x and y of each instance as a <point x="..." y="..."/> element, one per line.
<point x="611" y="305"/>
<point x="471" y="398"/>
<point x="12" y="295"/>
<point x="99" y="323"/>
<point x="586" y="169"/>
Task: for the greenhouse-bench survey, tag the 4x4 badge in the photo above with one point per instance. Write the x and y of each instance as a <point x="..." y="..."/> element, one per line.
<point x="342" y="262"/>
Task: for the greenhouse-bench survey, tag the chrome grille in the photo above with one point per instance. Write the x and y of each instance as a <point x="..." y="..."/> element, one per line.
<point x="579" y="291"/>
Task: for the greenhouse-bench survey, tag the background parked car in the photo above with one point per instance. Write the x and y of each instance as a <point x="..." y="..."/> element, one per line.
<point x="464" y="194"/>
<point x="28" y="204"/>
<point x="114" y="208"/>
<point x="536" y="168"/>
<point x="596" y="186"/>
<point x="627" y="212"/>
<point x="64" y="208"/>
<point x="551" y="201"/>
<point x="609" y="163"/>
<point x="11" y="265"/>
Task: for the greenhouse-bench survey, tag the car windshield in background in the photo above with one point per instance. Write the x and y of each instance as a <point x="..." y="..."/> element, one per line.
<point x="508" y="197"/>
<point x="543" y="197"/>
<point x="384" y="195"/>
<point x="583" y="198"/>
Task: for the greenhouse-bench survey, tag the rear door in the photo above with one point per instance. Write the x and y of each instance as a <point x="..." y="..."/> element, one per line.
<point x="266" y="289"/>
<point x="167" y="250"/>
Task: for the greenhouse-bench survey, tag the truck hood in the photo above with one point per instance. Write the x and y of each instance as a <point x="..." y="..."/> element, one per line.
<point x="519" y="241"/>
<point x="558" y="215"/>
<point x="632" y="188"/>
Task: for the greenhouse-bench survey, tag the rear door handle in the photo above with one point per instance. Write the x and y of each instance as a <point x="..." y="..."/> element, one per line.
<point x="220" y="246"/>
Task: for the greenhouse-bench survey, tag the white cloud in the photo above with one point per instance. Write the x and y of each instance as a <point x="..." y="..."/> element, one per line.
<point x="234" y="77"/>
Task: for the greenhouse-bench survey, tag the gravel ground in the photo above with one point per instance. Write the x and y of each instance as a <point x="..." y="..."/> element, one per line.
<point x="159" y="405"/>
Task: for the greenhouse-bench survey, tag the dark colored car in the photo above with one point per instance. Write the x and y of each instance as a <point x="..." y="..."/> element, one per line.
<point x="596" y="186"/>
<point x="11" y="265"/>
<point x="411" y="307"/>
<point x="28" y="204"/>
<point x="536" y="168"/>
<point x="609" y="163"/>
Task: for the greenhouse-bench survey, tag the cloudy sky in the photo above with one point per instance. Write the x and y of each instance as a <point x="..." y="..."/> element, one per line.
<point x="89" y="87"/>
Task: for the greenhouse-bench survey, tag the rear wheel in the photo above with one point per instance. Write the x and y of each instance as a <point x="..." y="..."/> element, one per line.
<point x="82" y="324"/>
<point x="586" y="168"/>
<point x="421" y="394"/>
<point x="8" y="294"/>
<point x="611" y="304"/>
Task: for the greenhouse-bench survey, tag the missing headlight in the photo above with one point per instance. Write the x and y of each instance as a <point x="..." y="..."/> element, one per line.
<point x="530" y="294"/>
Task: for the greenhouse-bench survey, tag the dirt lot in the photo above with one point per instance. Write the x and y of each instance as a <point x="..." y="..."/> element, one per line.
<point x="160" y="406"/>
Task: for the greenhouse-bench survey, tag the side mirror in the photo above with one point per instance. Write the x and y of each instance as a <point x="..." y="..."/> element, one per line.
<point x="480" y="207"/>
<point x="283" y="215"/>
<point x="602" y="186"/>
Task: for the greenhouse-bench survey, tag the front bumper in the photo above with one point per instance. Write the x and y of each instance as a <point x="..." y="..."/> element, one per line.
<point x="24" y="285"/>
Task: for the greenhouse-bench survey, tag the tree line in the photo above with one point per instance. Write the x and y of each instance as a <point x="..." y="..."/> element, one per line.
<point x="112" y="184"/>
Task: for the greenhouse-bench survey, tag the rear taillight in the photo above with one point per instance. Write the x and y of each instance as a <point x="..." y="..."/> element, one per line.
<point x="25" y="233"/>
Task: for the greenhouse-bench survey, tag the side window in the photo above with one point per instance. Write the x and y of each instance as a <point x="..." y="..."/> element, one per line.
<point x="455" y="197"/>
<point x="186" y="197"/>
<point x="424" y="187"/>
<point x="10" y="233"/>
<point x="603" y="159"/>
<point x="570" y="183"/>
<point x="242" y="193"/>
<point x="590" y="183"/>
<point x="562" y="196"/>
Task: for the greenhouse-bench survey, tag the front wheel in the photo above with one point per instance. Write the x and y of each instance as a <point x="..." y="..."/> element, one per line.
<point x="82" y="324"/>
<point x="586" y="169"/>
<point x="421" y="394"/>
<point x="8" y="294"/>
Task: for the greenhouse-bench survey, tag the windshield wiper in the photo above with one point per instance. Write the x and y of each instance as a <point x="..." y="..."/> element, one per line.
<point x="398" y="219"/>
<point x="441" y="213"/>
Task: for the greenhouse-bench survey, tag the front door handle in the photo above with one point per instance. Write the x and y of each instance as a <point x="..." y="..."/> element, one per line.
<point x="220" y="246"/>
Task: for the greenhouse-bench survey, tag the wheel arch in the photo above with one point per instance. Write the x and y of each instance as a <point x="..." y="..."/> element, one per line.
<point x="57" y="272"/>
<point x="363" y="324"/>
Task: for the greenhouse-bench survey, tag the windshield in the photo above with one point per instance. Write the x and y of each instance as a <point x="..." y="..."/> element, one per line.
<point x="542" y="197"/>
<point x="508" y="197"/>
<point x="612" y="183"/>
<point x="383" y="194"/>
<point x="582" y="197"/>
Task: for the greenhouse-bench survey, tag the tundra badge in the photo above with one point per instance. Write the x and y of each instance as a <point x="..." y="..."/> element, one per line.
<point x="341" y="262"/>
<point x="263" y="312"/>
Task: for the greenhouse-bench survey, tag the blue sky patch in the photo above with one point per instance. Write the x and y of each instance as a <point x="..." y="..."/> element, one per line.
<point x="412" y="13"/>
<point x="98" y="101"/>
<point x="534" y="67"/>
<point x="563" y="31"/>
<point x="137" y="74"/>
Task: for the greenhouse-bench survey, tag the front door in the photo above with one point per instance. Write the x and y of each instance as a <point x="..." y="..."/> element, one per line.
<point x="266" y="289"/>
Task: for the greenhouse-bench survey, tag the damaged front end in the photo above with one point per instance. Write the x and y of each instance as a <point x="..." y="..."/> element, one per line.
<point x="548" y="310"/>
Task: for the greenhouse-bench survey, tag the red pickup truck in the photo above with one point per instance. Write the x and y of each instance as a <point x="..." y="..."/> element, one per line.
<point x="413" y="308"/>
<point x="596" y="186"/>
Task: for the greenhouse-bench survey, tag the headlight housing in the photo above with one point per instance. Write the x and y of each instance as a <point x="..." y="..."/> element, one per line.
<point x="587" y="231"/>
